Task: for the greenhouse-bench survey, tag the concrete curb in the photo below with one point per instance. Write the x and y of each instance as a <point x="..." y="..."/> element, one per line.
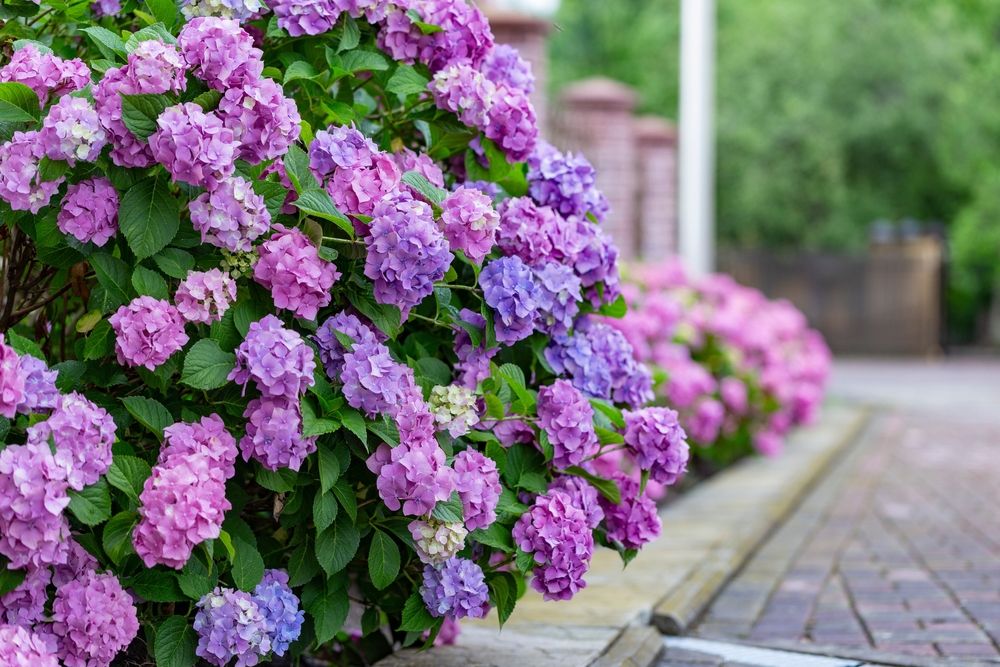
<point x="707" y="536"/>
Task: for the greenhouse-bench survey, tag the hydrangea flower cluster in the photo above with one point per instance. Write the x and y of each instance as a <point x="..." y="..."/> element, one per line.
<point x="332" y="351"/>
<point x="25" y="605"/>
<point x="274" y="433"/>
<point x="50" y="76"/>
<point x="556" y="532"/>
<point x="90" y="211"/>
<point x="195" y="147"/>
<point x="147" y="332"/>
<point x="280" y="607"/>
<point x="230" y="216"/>
<point x="470" y="223"/>
<point x="72" y="131"/>
<point x="291" y="269"/>
<point x="21" y="648"/>
<point x="560" y="297"/>
<point x="477" y="481"/>
<point x="241" y="10"/>
<point x="20" y="163"/>
<point x="82" y="434"/>
<point x="582" y="495"/>
<point x="230" y="625"/>
<point x="93" y="619"/>
<point x="40" y="391"/>
<point x="567" y="183"/>
<point x="473" y="360"/>
<point x="634" y="522"/>
<point x="204" y="296"/>
<point x="184" y="501"/>
<point x="437" y="541"/>
<point x="454" y="409"/>
<point x="455" y="589"/>
<point x="373" y="381"/>
<point x="657" y="443"/>
<point x="509" y="288"/>
<point x="33" y="484"/>
<point x="412" y="476"/>
<point x="568" y="420"/>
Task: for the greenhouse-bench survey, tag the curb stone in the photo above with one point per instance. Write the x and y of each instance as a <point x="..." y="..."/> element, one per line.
<point x="707" y="535"/>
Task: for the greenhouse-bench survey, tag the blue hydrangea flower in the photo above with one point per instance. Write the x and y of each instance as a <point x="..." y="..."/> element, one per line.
<point x="510" y="290"/>
<point x="457" y="589"/>
<point x="280" y="607"/>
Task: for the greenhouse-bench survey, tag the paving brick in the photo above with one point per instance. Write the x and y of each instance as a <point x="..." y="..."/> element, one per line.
<point x="959" y="650"/>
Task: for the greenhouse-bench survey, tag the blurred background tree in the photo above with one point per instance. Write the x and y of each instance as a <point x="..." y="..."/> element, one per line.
<point x="830" y="115"/>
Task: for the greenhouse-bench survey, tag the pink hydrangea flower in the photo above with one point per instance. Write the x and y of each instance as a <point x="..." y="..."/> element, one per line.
<point x="231" y="215"/>
<point x="262" y="119"/>
<point x="93" y="619"/>
<point x="21" y="648"/>
<point x="194" y="146"/>
<point x="40" y="392"/>
<point x="734" y="394"/>
<point x="46" y="74"/>
<point x="204" y="296"/>
<point x="706" y="420"/>
<point x="11" y="381"/>
<point x="274" y="434"/>
<point x="147" y="332"/>
<point x="556" y="532"/>
<point x="373" y="381"/>
<point x="83" y="434"/>
<point x="277" y="359"/>
<point x="413" y="476"/>
<point x="207" y="437"/>
<point x="220" y="53"/>
<point x="568" y="419"/>
<point x="21" y="184"/>
<point x="291" y="268"/>
<point x="470" y="223"/>
<point x="357" y="190"/>
<point x="155" y="67"/>
<point x="657" y="443"/>
<point x="583" y="496"/>
<point x="408" y="160"/>
<point x="331" y="352"/>
<point x="90" y="211"/>
<point x="477" y="481"/>
<point x="25" y="605"/>
<point x="78" y="564"/>
<point x="72" y="131"/>
<point x="634" y="522"/>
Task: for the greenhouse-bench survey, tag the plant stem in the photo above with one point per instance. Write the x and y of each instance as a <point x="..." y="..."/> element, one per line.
<point x="432" y="321"/>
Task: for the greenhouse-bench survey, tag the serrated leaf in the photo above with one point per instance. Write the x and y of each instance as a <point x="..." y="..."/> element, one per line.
<point x="356" y="61"/>
<point x="176" y="642"/>
<point x="336" y="546"/>
<point x="448" y="510"/>
<point x="209" y="100"/>
<point x="608" y="437"/>
<point x="163" y="11"/>
<point x="117" y="537"/>
<point x="52" y="170"/>
<point x="70" y="373"/>
<point x="324" y="511"/>
<point x="386" y="431"/>
<point x="18" y="103"/>
<point x="149" y="283"/>
<point x="297" y="167"/>
<point x="174" y="262"/>
<point x="606" y="487"/>
<point x="355" y="423"/>
<point x="329" y="611"/>
<point x="148" y="216"/>
<point x="149" y="413"/>
<point x="329" y="468"/>
<point x="345" y="495"/>
<point x="207" y="366"/>
<point x="498" y="453"/>
<point x="300" y="69"/>
<point x="274" y="195"/>
<point x="503" y="594"/>
<point x="524" y="561"/>
<point x="435" y="370"/>
<point x="10" y="579"/>
<point x="319" y="203"/>
<point x="406" y="81"/>
<point x="92" y="505"/>
<point x="616" y="309"/>
<point x="248" y="566"/>
<point x="416" y="618"/>
<point x="196" y="586"/>
<point x="24" y="345"/>
<point x="302" y="565"/>
<point x="609" y="410"/>
<point x="113" y="275"/>
<point x="385" y="317"/>
<point x="496" y="536"/>
<point x="128" y="474"/>
<point x="279" y="481"/>
<point x="383" y="560"/>
<point x="140" y="112"/>
<point x="521" y="460"/>
<point x="351" y="36"/>
<point x="494" y="408"/>
<point x="86" y="323"/>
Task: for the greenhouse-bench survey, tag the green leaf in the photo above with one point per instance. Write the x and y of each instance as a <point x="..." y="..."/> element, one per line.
<point x="336" y="546"/>
<point x="117" y="538"/>
<point x="617" y="309"/>
<point x="86" y="323"/>
<point x="406" y="81"/>
<point x="149" y="413"/>
<point x="302" y="565"/>
<point x="100" y="343"/>
<point x="417" y="20"/>
<point x="524" y="561"/>
<point x="70" y="373"/>
<point x="416" y="618"/>
<point x="174" y="262"/>
<point x="280" y="481"/>
<point x="496" y="536"/>
<point x="113" y="275"/>
<point x="140" y="111"/>
<point x="319" y="203"/>
<point x="247" y="312"/>
<point x="297" y="167"/>
<point x="329" y="468"/>
<point x="10" y="579"/>
<point x="176" y="642"/>
<point x="92" y="505"/>
<point x="385" y="429"/>
<point x="207" y="366"/>
<point x="227" y="542"/>
<point x="273" y="31"/>
<point x="148" y="216"/>
<point x="494" y="408"/>
<point x="52" y="170"/>
<point x="521" y="460"/>
<point x="161" y="378"/>
<point x="543" y="443"/>
<point x="355" y="61"/>
<point x="313" y="425"/>
<point x="605" y="487"/>
<point x="435" y="370"/>
<point x="274" y="195"/>
<point x="18" y="103"/>
<point x="345" y="494"/>
<point x="385" y="317"/>
<point x="498" y="453"/>
<point x="448" y="510"/>
<point x="383" y="560"/>
<point x="248" y="566"/>
<point x="352" y="35"/>
<point x="513" y="374"/>
<point x="149" y="283"/>
<point x="128" y="474"/>
<point x="355" y="423"/>
<point x="24" y="345"/>
<point x="300" y="69"/>
<point x="209" y="100"/>
<point x="197" y="586"/>
<point x="329" y="611"/>
<point x="163" y="11"/>
<point x="503" y="594"/>
<point x="609" y="437"/>
<point x="324" y="511"/>
<point x="609" y="410"/>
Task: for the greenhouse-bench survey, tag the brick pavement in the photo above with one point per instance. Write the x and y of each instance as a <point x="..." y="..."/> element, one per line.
<point x="896" y="551"/>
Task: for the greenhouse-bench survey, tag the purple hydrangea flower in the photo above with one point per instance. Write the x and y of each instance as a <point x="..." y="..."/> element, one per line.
<point x="413" y="476"/>
<point x="147" y="332"/>
<point x="204" y="296"/>
<point x="657" y="443"/>
<point x="25" y="605"/>
<point x="734" y="394"/>
<point x="583" y="496"/>
<point x="290" y="267"/>
<point x="510" y="290"/>
<point x="597" y="262"/>
<point x="567" y="183"/>
<point x="127" y="149"/>
<point x="240" y="10"/>
<point x="93" y="619"/>
<point x="83" y="434"/>
<point x="504" y="65"/>
<point x="455" y="589"/>
<point x="473" y="361"/>
<point x="21" y="648"/>
<point x="408" y="160"/>
<point x="412" y="415"/>
<point x="360" y="189"/>
<point x="305" y="17"/>
<point x="21" y="184"/>
<point x="341" y="147"/>
<point x="207" y="437"/>
<point x="568" y="419"/>
<point x="706" y="421"/>
<point x="465" y="36"/>
<point x="437" y="541"/>
<point x="560" y="300"/>
<point x="634" y="522"/>
<point x="276" y="359"/>
<point x="536" y="234"/>
<point x="72" y="131"/>
<point x="12" y="381"/>
<point x="373" y="10"/>
<point x="373" y="381"/>
<point x="600" y="362"/>
<point x="331" y="352"/>
<point x="274" y="434"/>
<point x="40" y="392"/>
<point x="262" y="119"/>
<point x="557" y="533"/>
<point x="102" y="8"/>
<point x="183" y="504"/>
<point x="231" y="215"/>
<point x="46" y="74"/>
<point x="477" y="481"/>
<point x="155" y="67"/>
<point x="465" y="92"/>
<point x="195" y="147"/>
<point x="77" y="565"/>
<point x="33" y="530"/>
<point x="280" y="607"/>
<point x="90" y="211"/>
<point x="220" y="53"/>
<point x="406" y="252"/>
<point x="231" y="625"/>
<point x="470" y="223"/>
<point x="512" y="124"/>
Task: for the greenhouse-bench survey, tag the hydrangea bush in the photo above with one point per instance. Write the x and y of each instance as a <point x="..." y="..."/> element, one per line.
<point x="302" y="322"/>
<point x="741" y="370"/>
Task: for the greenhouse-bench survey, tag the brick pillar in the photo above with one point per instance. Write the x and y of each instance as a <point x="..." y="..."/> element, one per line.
<point x="529" y="35"/>
<point x="596" y="120"/>
<point x="656" y="141"/>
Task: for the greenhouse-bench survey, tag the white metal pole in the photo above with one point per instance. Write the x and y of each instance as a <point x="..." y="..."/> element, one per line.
<point x="696" y="141"/>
